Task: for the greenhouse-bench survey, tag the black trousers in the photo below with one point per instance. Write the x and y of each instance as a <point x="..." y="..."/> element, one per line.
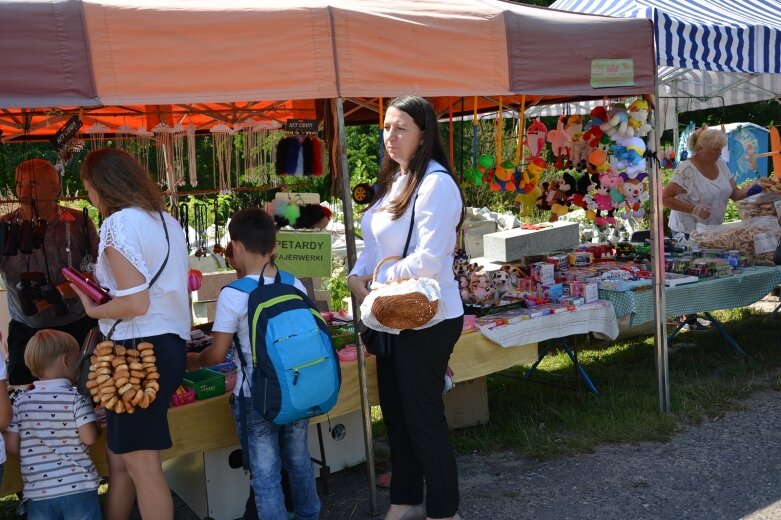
<point x="410" y="384"/>
<point x="18" y="336"/>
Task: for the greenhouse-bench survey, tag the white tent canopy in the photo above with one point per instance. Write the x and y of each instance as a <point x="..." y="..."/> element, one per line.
<point x="710" y="53"/>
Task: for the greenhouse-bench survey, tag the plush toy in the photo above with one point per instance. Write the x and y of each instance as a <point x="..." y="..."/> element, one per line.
<point x="638" y="117"/>
<point x="463" y="287"/>
<point x="560" y="141"/>
<point x="501" y="282"/>
<point x="579" y="182"/>
<point x="480" y="287"/>
<point x="530" y="176"/>
<point x="527" y="201"/>
<point x="598" y="161"/>
<point x="503" y="178"/>
<point x="576" y="150"/>
<point x="593" y="135"/>
<point x="554" y="199"/>
<point x="307" y="216"/>
<point x="535" y="137"/>
<point x="618" y="122"/>
<point x="628" y="155"/>
<point x="600" y="201"/>
<point x="460" y="262"/>
<point x="486" y="165"/>
<point x="634" y="194"/>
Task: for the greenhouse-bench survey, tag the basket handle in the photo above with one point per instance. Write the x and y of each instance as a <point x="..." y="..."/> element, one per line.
<point x="384" y="260"/>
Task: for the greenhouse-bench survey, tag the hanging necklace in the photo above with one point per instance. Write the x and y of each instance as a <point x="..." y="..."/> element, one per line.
<point x="184" y="221"/>
<point x="200" y="229"/>
<point x="218" y="249"/>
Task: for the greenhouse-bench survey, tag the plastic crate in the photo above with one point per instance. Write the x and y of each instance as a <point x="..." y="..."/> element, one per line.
<point x="206" y="383"/>
<point x="188" y="396"/>
<point x="230" y="372"/>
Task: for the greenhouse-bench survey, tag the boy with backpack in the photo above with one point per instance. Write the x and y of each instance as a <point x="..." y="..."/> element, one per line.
<point x="264" y="309"/>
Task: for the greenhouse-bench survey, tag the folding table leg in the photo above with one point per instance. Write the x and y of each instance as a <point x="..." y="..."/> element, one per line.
<point x="530" y="372"/>
<point x="581" y="370"/>
<point x="725" y="334"/>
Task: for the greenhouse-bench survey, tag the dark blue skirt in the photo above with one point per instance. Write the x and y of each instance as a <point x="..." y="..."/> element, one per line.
<point x="147" y="429"/>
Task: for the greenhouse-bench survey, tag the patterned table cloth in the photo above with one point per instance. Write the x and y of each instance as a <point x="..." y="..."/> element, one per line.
<point x="709" y="295"/>
<point x="591" y="317"/>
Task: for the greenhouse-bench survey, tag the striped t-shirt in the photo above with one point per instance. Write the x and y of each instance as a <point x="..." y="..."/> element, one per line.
<point x="53" y="459"/>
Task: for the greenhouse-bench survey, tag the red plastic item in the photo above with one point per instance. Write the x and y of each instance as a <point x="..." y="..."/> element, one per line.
<point x="186" y="397"/>
<point x="94" y="291"/>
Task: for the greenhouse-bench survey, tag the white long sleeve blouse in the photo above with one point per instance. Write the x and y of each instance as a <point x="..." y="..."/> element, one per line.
<point x="433" y="240"/>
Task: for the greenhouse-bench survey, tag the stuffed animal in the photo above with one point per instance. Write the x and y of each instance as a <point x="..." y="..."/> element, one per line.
<point x="579" y="182"/>
<point x="486" y="165"/>
<point x="554" y="199"/>
<point x="638" y="118"/>
<point x="460" y="262"/>
<point x="527" y="201"/>
<point x="501" y="282"/>
<point x="530" y="176"/>
<point x="576" y="150"/>
<point x="560" y="141"/>
<point x="592" y="136"/>
<point x="634" y="194"/>
<point x="504" y="178"/>
<point x="618" y="122"/>
<point x="598" y="161"/>
<point x="535" y="137"/>
<point x="480" y="288"/>
<point x="463" y="287"/>
<point x="601" y="201"/>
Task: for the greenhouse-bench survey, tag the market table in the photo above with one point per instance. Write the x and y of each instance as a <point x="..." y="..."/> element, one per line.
<point x="714" y="294"/>
<point x="728" y="292"/>
<point x="597" y="316"/>
<point x="207" y="425"/>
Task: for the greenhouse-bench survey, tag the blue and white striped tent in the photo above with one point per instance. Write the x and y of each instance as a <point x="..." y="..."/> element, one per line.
<point x="710" y="53"/>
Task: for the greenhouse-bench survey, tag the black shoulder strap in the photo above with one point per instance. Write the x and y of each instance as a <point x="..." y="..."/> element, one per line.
<point x="156" y="276"/>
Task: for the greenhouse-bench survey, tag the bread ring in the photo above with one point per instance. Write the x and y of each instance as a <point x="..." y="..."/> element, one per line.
<point x="111" y="403"/>
<point x="128" y="394"/>
<point x="137" y="398"/>
<point x="144" y="345"/>
<point x="91" y="383"/>
<point x="144" y="403"/>
<point x="104" y="351"/>
<point x="93" y="358"/>
<point x="120" y="350"/>
<point x="102" y="379"/>
<point x="117" y="361"/>
<point x="135" y="365"/>
<point x="134" y="380"/>
<point x="121" y="373"/>
<point x="129" y="408"/>
<point x="137" y="373"/>
<point x="103" y="344"/>
<point x="122" y="381"/>
<point x="108" y="390"/>
<point x="153" y="375"/>
<point x="124" y="388"/>
<point x="122" y="367"/>
<point x="103" y="370"/>
<point x="149" y="365"/>
<point x="92" y="374"/>
<point x="108" y="358"/>
<point x="132" y="353"/>
<point x="152" y="385"/>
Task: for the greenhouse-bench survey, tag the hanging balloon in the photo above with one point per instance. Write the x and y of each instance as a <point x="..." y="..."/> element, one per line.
<point x="194" y="280"/>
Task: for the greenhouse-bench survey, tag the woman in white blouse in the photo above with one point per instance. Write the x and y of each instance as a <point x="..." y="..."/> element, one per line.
<point x="416" y="172"/>
<point x="700" y="189"/>
<point x="138" y="240"/>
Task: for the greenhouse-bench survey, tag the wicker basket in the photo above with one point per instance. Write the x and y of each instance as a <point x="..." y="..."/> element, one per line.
<point x="402" y="311"/>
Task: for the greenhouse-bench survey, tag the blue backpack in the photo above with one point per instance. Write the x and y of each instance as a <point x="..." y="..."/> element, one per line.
<point x="295" y="366"/>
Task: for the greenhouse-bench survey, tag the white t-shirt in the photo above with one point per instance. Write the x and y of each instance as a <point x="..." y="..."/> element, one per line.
<point x="430" y="254"/>
<point x="698" y="189"/>
<point x="139" y="236"/>
<point x="231" y="317"/>
<point x="53" y="460"/>
<point x="3" y="377"/>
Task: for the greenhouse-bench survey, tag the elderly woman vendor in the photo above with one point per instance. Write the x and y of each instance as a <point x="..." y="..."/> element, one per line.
<point x="700" y="188"/>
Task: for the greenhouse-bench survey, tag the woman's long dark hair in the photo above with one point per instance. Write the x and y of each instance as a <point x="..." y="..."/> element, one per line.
<point x="120" y="181"/>
<point x="422" y="113"/>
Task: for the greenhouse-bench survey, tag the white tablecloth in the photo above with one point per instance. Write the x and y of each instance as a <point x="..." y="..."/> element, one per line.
<point x="591" y="317"/>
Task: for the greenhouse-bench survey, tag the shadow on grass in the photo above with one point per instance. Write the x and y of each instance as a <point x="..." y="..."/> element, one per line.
<point x="706" y="377"/>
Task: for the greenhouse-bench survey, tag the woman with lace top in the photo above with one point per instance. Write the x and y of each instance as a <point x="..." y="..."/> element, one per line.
<point x="138" y="240"/>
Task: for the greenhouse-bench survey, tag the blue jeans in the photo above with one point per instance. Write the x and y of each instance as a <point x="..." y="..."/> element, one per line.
<point x="270" y="448"/>
<point x="79" y="506"/>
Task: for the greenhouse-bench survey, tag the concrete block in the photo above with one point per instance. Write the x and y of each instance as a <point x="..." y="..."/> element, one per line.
<point x="510" y="245"/>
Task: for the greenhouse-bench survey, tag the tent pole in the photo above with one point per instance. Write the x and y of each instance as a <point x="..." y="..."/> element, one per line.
<point x="657" y="267"/>
<point x="349" y="233"/>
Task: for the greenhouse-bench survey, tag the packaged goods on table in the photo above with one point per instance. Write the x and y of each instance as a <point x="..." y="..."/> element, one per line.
<point x="757" y="238"/>
<point x="761" y="204"/>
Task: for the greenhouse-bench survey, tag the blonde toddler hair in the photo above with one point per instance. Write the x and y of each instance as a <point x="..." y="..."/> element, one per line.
<point x="45" y="347"/>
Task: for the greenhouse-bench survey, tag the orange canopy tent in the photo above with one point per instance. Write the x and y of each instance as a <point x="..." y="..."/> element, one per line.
<point x="136" y="62"/>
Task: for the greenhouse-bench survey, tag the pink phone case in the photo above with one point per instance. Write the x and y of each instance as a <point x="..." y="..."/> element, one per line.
<point x="95" y="292"/>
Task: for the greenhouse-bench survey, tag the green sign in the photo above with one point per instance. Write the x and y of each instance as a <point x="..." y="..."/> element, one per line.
<point x="304" y="253"/>
<point x="612" y="73"/>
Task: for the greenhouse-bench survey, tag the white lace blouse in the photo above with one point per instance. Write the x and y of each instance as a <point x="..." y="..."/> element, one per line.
<point x="138" y="235"/>
<point x="698" y="189"/>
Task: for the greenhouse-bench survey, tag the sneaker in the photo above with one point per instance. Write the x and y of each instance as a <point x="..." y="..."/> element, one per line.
<point x="695" y="326"/>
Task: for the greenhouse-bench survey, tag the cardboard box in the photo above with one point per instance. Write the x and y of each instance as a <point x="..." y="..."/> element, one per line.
<point x="467" y="403"/>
